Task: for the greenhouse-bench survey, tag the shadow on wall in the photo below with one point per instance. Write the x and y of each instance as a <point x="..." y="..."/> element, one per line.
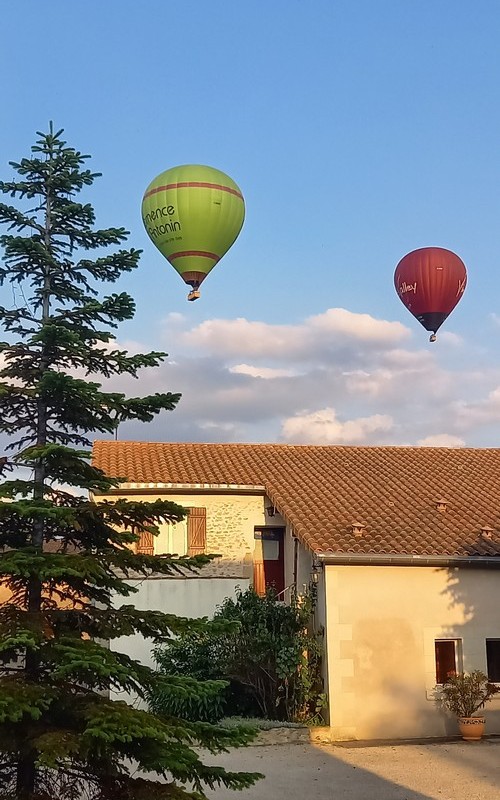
<point x="473" y="601"/>
<point x="384" y="650"/>
<point x="404" y="713"/>
<point x="389" y="675"/>
<point x="476" y="592"/>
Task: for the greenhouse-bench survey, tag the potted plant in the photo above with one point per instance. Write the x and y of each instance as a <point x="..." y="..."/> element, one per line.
<point x="463" y="694"/>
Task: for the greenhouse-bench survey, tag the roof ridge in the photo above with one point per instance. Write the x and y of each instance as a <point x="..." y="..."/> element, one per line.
<point x="283" y="445"/>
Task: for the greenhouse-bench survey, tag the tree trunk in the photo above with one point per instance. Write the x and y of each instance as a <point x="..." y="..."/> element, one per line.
<point x="26" y="767"/>
<point x="26" y="776"/>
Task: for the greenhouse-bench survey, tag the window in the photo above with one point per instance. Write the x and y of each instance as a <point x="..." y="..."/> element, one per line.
<point x="493" y="659"/>
<point x="177" y="542"/>
<point x="186" y="537"/>
<point x="446" y="658"/>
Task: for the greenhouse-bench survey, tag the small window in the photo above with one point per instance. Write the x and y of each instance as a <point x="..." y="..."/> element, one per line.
<point x="493" y="659"/>
<point x="446" y="658"/>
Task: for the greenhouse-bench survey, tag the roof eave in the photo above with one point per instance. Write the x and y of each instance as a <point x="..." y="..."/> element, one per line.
<point x="142" y="488"/>
<point x="406" y="560"/>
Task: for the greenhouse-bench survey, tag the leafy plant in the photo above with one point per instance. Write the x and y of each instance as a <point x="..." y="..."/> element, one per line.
<point x="465" y="693"/>
<point x="62" y="556"/>
<point x="270" y="661"/>
<point x="194" y="654"/>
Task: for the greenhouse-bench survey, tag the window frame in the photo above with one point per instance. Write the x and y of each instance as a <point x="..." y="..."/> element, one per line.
<point x="486" y="641"/>
<point x="260" y="581"/>
<point x="457" y="651"/>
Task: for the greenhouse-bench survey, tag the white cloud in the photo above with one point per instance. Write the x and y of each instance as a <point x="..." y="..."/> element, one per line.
<point x="333" y="331"/>
<point x="324" y="427"/>
<point x="398" y="375"/>
<point x="441" y="440"/>
<point x="176" y="318"/>
<point x="240" y="336"/>
<point x="415" y="360"/>
<point x="224" y="428"/>
<point x="472" y="414"/>
<point x="362" y="327"/>
<point x="448" y="337"/>
<point x="260" y="372"/>
<point x="336" y="377"/>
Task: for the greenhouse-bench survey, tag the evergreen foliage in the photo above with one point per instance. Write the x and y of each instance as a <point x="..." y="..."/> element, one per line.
<point x="269" y="661"/>
<point x="62" y="556"/>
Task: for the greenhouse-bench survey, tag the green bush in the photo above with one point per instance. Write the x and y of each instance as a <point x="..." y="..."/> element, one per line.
<point x="268" y="660"/>
<point x="194" y="655"/>
<point x="202" y="701"/>
<point x="464" y="693"/>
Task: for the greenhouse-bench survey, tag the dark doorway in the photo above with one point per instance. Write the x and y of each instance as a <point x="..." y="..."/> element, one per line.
<point x="269" y="560"/>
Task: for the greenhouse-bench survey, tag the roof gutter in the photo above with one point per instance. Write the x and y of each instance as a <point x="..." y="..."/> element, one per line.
<point x="144" y="488"/>
<point x="382" y="560"/>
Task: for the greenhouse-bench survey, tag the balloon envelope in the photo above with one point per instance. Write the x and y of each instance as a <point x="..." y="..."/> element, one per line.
<point x="430" y="282"/>
<point x="193" y="214"/>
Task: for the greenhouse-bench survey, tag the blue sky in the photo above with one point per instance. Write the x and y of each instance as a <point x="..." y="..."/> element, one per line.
<point x="357" y="131"/>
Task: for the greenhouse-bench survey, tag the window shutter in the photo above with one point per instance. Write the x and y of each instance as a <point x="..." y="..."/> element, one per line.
<point x="146" y="544"/>
<point x="197" y="531"/>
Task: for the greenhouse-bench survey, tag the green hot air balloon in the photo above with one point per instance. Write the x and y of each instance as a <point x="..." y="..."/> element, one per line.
<point x="193" y="214"/>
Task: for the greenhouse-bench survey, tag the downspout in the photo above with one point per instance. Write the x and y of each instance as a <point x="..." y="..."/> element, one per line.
<point x="295" y="561"/>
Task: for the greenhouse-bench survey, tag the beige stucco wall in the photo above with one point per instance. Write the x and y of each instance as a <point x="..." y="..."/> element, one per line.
<point x="381" y="624"/>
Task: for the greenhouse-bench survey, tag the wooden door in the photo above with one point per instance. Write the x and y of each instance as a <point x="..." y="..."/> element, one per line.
<point x="269" y="560"/>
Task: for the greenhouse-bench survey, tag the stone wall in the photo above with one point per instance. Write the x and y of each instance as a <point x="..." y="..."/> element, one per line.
<point x="299" y="735"/>
<point x="231" y="520"/>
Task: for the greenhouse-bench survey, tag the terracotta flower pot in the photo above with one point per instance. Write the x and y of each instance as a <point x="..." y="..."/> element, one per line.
<point x="471" y="728"/>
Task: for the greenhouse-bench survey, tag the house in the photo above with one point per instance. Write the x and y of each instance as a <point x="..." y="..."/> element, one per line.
<point x="401" y="545"/>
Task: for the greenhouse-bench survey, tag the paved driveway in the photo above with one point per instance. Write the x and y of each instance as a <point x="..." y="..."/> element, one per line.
<point x="445" y="771"/>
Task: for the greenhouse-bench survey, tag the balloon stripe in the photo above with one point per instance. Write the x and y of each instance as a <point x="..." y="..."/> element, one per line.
<point x="194" y="184"/>
<point x="202" y="253"/>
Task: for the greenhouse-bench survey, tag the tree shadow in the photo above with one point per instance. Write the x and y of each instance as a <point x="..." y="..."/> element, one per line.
<point x="473" y="596"/>
<point x="402" y="772"/>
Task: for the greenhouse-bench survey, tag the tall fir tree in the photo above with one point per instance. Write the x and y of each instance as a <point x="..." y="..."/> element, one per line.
<point x="62" y="556"/>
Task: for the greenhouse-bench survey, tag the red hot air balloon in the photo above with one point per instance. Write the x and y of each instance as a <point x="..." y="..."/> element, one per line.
<point x="430" y="282"/>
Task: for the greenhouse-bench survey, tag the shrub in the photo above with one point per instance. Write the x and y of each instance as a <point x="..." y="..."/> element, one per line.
<point x="268" y="659"/>
<point x="195" y="655"/>
<point x="465" y="693"/>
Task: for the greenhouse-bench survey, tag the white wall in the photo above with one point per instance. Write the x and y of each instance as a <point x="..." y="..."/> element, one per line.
<point x="381" y="624"/>
<point x="304" y="562"/>
<point x="190" y="597"/>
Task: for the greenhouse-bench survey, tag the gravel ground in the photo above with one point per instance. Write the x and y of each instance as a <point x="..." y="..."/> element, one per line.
<point x="446" y="771"/>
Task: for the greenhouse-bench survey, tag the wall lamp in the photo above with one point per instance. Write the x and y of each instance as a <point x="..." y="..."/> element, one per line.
<point x="317" y="566"/>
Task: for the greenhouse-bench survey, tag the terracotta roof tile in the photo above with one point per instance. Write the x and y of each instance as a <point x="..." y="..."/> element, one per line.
<point x="323" y="490"/>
